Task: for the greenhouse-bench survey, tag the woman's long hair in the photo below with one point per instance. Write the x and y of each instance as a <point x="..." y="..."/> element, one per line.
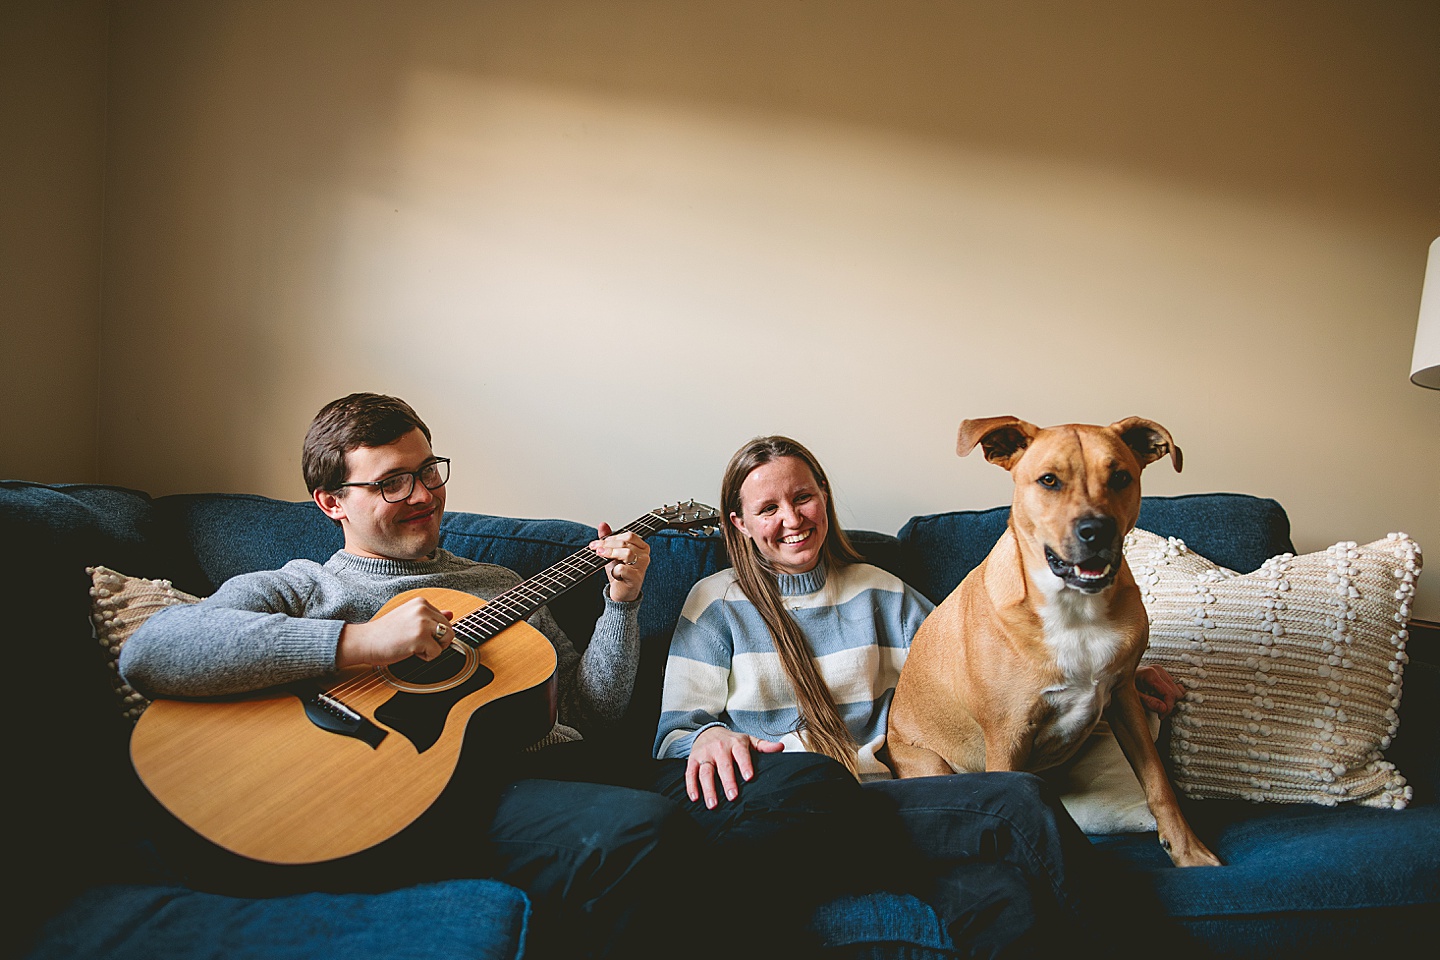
<point x="820" y="723"/>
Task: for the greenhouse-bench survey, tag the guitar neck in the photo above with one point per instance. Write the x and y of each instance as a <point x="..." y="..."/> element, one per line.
<point x="523" y="599"/>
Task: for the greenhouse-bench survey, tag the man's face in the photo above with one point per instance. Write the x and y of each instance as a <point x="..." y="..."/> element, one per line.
<point x="408" y="530"/>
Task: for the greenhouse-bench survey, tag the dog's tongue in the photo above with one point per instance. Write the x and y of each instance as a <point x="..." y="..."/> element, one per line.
<point x="1093" y="567"/>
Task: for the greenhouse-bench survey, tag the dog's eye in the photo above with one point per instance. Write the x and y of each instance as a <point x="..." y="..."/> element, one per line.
<point x="1048" y="480"/>
<point x="1120" y="479"/>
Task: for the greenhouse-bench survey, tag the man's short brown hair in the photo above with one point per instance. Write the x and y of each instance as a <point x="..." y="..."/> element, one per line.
<point x="359" y="420"/>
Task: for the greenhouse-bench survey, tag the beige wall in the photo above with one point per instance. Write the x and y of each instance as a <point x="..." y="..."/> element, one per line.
<point x="599" y="244"/>
<point x="52" y="153"/>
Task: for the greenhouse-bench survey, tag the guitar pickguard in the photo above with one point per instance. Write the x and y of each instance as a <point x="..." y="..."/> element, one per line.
<point x="420" y="717"/>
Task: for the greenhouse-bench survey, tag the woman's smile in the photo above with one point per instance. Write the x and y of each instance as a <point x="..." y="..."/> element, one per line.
<point x="782" y="509"/>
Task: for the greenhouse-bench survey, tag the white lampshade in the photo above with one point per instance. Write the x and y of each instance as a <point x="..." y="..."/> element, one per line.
<point x="1425" y="365"/>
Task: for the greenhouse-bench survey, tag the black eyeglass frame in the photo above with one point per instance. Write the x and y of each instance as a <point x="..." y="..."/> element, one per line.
<point x="414" y="476"/>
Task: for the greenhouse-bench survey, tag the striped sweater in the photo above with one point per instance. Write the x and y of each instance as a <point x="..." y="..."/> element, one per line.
<point x="724" y="669"/>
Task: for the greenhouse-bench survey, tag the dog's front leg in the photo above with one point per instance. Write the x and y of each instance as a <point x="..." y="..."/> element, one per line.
<point x="1126" y="716"/>
<point x="1008" y="744"/>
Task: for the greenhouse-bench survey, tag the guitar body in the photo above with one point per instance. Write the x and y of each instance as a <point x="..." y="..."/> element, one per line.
<point x="301" y="775"/>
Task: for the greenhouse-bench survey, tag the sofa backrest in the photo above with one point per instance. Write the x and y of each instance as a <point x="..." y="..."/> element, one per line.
<point x="1235" y="530"/>
<point x="201" y="540"/>
<point x="221" y="535"/>
<point x="78" y="744"/>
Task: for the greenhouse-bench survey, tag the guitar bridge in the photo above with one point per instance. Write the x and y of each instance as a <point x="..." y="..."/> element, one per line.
<point x="332" y="715"/>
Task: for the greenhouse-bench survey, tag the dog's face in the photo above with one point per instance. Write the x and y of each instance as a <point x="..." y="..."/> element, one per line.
<point x="1077" y="488"/>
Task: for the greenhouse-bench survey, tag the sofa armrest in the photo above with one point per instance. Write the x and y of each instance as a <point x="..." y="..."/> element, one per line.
<point x="1414" y="751"/>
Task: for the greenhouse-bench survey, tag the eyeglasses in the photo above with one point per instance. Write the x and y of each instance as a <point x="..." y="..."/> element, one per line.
<point x="399" y="486"/>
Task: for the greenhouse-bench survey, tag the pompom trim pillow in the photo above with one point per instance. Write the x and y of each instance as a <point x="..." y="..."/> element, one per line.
<point x="1292" y="673"/>
<point x="118" y="606"/>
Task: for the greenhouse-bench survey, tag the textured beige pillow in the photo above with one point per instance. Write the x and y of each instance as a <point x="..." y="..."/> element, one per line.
<point x="118" y="605"/>
<point x="1292" y="673"/>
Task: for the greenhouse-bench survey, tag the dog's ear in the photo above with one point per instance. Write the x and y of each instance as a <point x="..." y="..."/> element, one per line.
<point x="1003" y="438"/>
<point x="1149" y="440"/>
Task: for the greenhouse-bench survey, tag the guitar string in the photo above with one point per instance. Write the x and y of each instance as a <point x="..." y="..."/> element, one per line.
<point x="477" y="626"/>
<point x="580" y="565"/>
<point x="487" y="621"/>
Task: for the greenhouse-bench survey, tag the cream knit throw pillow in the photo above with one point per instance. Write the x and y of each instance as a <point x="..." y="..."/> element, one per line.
<point x="1292" y="673"/>
<point x="118" y="605"/>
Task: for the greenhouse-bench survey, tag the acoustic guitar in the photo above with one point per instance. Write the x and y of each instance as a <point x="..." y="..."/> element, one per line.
<point x="323" y="769"/>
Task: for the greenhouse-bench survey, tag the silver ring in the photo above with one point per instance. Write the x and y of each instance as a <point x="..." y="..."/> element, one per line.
<point x="440" y="630"/>
<point x="631" y="562"/>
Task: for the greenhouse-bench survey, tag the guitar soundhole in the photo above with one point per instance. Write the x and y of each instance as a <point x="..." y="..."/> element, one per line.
<point x="452" y="668"/>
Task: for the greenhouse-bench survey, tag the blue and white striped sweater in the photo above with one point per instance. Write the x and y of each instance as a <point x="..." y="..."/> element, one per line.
<point x="723" y="667"/>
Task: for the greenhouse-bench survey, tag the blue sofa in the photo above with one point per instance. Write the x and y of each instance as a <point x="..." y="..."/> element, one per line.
<point x="1299" y="880"/>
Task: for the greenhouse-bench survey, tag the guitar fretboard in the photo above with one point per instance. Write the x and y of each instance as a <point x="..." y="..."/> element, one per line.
<point x="523" y="599"/>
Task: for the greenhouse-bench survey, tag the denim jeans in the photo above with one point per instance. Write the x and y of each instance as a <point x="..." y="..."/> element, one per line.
<point x="994" y="854"/>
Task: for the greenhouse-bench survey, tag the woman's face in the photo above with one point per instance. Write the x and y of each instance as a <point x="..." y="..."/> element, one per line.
<point x="782" y="509"/>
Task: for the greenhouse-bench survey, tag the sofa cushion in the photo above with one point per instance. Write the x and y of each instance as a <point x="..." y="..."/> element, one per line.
<point x="1235" y="530"/>
<point x="480" y="919"/>
<point x="1292" y="672"/>
<point x="1299" y="880"/>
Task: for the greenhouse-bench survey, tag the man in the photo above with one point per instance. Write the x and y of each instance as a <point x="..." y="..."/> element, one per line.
<point x="594" y="857"/>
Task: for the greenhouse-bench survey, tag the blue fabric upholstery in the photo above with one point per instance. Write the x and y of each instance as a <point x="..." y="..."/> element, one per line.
<point x="229" y="534"/>
<point x="1387" y="857"/>
<point x="1300" y="881"/>
<point x="68" y="756"/>
<point x="469" y="919"/>
<point x="879" y="924"/>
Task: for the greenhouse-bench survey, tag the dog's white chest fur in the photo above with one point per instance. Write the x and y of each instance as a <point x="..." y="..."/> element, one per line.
<point x="1085" y="644"/>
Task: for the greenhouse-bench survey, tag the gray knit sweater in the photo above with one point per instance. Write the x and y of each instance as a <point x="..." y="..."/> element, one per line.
<point x="278" y="626"/>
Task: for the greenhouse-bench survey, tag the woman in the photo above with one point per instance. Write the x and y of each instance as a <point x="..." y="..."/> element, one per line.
<point x="795" y="651"/>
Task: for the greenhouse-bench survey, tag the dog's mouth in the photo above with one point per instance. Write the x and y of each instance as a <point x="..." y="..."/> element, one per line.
<point x="1088" y="575"/>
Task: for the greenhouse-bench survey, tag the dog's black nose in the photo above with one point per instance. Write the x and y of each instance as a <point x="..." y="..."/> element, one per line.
<point x="1095" y="531"/>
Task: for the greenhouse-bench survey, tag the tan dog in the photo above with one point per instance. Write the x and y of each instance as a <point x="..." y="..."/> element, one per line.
<point x="1015" y="669"/>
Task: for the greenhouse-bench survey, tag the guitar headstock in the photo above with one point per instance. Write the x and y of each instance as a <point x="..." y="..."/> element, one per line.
<point x="688" y="515"/>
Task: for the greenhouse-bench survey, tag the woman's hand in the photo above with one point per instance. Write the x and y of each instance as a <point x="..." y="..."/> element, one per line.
<point x="629" y="557"/>
<point x="1158" y="690"/>
<point x="720" y="751"/>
